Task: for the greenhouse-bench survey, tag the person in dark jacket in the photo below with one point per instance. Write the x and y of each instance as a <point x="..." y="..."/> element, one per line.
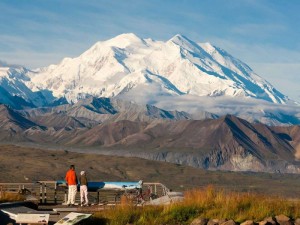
<point x="83" y="189"/>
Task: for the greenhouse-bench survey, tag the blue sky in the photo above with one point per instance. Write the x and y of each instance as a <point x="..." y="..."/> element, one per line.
<point x="263" y="33"/>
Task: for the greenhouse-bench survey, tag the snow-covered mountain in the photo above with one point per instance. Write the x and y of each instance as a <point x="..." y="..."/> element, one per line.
<point x="15" y="92"/>
<point x="129" y="65"/>
<point x="178" y="74"/>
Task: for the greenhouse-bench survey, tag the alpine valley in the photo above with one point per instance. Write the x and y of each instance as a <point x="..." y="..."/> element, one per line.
<point x="177" y="101"/>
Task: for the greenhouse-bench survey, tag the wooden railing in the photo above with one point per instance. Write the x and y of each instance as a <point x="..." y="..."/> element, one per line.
<point x="48" y="192"/>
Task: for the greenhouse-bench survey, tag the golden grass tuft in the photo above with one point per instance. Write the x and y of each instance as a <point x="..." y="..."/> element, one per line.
<point x="239" y="206"/>
<point x="10" y="197"/>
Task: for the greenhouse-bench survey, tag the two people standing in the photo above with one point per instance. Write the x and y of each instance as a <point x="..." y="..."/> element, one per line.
<point x="72" y="182"/>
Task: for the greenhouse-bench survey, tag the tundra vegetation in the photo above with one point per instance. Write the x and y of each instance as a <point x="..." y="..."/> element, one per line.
<point x="207" y="203"/>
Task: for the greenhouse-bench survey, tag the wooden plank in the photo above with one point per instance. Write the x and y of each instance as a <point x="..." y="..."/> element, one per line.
<point x="70" y="209"/>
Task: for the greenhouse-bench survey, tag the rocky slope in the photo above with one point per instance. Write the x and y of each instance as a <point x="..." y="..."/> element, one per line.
<point x="227" y="143"/>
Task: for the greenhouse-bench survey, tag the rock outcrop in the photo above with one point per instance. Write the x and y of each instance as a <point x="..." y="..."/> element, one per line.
<point x="277" y="220"/>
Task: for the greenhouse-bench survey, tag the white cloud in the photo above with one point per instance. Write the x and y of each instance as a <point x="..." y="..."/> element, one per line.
<point x="218" y="105"/>
<point x="252" y="110"/>
<point x="221" y="105"/>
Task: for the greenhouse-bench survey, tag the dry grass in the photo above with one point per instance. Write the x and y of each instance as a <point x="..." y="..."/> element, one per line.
<point x="10" y="197"/>
<point x="239" y="206"/>
<point x="206" y="203"/>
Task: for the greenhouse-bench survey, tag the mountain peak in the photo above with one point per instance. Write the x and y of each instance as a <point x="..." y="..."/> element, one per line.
<point x="179" y="39"/>
<point x="184" y="42"/>
<point x="124" y="40"/>
<point x="131" y="36"/>
<point x="116" y="66"/>
<point x="143" y="71"/>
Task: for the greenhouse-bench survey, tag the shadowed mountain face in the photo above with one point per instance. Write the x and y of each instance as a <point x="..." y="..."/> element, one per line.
<point x="291" y="135"/>
<point x="226" y="143"/>
<point x="13" y="124"/>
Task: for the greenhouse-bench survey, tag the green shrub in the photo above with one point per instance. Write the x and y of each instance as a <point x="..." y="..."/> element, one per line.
<point x="181" y="213"/>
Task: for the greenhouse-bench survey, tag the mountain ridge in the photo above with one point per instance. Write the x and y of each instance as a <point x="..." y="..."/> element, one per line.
<point x="149" y="72"/>
<point x="177" y="66"/>
<point x="225" y="143"/>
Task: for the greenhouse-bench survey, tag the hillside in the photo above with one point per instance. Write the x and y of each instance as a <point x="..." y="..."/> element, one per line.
<point x="225" y="143"/>
<point x="37" y="164"/>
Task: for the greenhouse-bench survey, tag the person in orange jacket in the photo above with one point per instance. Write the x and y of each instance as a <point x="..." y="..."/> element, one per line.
<point x="72" y="182"/>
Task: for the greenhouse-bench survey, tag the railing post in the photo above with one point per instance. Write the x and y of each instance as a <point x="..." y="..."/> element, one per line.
<point x="66" y="195"/>
<point x="55" y="193"/>
<point x="41" y="193"/>
<point x="45" y="193"/>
